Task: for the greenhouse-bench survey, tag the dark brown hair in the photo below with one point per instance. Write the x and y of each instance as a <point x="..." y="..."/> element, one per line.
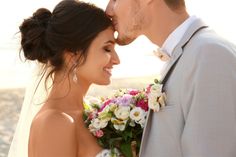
<point x="72" y="26"/>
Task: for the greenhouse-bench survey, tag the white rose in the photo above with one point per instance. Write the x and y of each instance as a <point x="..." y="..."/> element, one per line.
<point x="92" y="128"/>
<point x="99" y="124"/>
<point x="93" y="100"/>
<point x="142" y="122"/>
<point x="153" y="103"/>
<point x="122" y="112"/>
<point x="137" y="114"/>
<point x="119" y="127"/>
<point x="156" y="89"/>
<point x="119" y="124"/>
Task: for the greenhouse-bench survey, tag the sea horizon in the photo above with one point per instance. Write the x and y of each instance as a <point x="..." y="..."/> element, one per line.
<point x="16" y="72"/>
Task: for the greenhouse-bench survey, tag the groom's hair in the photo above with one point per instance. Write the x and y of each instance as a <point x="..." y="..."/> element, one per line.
<point x="175" y="4"/>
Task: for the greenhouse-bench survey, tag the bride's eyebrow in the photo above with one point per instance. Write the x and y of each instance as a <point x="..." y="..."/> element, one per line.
<point x="110" y="42"/>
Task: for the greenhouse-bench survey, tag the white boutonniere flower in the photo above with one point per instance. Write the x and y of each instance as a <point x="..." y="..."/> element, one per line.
<point x="156" y="98"/>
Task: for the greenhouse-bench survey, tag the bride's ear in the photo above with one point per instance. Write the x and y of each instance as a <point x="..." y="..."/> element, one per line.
<point x="70" y="59"/>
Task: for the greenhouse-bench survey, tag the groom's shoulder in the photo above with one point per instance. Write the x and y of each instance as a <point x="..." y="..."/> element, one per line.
<point x="210" y="37"/>
<point x="209" y="47"/>
<point x="209" y="41"/>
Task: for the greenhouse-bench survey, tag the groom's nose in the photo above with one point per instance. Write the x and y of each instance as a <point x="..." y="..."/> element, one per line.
<point x="109" y="8"/>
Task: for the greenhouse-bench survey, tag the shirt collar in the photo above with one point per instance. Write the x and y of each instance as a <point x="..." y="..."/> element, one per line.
<point x="174" y="38"/>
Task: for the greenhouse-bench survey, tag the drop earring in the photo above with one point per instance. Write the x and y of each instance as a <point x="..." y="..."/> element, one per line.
<point x="74" y="78"/>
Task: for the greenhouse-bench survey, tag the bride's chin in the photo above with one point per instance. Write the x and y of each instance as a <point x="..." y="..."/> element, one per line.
<point x="104" y="82"/>
<point x="107" y="82"/>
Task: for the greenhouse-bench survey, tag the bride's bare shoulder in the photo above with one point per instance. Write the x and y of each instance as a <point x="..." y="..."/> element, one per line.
<point x="53" y="132"/>
<point x="52" y="119"/>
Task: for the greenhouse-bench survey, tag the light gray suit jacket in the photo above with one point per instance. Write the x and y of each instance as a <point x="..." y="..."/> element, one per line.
<point x="200" y="117"/>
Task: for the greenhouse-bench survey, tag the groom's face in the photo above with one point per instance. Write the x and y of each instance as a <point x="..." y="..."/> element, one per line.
<point x="127" y="19"/>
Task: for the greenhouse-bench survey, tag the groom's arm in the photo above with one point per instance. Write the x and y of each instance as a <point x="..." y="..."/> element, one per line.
<point x="210" y="124"/>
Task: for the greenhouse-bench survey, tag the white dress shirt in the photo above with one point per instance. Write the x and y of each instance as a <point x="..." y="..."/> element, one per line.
<point x="174" y="38"/>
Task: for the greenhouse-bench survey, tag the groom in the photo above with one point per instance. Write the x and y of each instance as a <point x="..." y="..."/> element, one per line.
<point x="199" y="119"/>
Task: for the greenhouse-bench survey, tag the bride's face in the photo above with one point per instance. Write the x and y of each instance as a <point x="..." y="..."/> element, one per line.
<point x="100" y="60"/>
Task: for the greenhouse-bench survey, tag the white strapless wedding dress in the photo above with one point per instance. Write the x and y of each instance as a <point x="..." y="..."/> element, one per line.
<point x="104" y="153"/>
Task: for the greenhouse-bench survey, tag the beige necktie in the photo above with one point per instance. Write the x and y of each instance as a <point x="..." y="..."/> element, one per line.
<point x="162" y="55"/>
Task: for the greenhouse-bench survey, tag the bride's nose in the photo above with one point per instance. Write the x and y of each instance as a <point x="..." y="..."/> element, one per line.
<point x="115" y="58"/>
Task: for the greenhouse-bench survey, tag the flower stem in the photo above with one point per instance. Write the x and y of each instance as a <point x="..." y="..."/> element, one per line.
<point x="133" y="148"/>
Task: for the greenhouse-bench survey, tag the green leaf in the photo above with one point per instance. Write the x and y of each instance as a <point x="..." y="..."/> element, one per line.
<point x="127" y="135"/>
<point x="125" y="148"/>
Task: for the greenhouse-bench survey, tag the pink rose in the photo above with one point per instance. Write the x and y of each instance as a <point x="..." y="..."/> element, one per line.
<point x="148" y="90"/>
<point x="99" y="133"/>
<point x="107" y="102"/>
<point x="133" y="92"/>
<point x="143" y="103"/>
<point x="92" y="115"/>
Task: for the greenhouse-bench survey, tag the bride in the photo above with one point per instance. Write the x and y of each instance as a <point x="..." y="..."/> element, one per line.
<point x="75" y="44"/>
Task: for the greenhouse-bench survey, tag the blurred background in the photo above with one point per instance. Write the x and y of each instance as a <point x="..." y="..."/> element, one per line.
<point x="138" y="64"/>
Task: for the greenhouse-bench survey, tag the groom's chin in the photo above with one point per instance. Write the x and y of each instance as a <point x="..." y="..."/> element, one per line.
<point x="124" y="41"/>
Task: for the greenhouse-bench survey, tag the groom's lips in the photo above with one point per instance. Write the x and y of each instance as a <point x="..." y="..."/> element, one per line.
<point x="115" y="25"/>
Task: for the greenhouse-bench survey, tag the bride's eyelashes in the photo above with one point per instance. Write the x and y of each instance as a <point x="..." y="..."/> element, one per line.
<point x="108" y="49"/>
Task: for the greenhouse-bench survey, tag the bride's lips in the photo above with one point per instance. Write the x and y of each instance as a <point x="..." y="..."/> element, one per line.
<point x="108" y="70"/>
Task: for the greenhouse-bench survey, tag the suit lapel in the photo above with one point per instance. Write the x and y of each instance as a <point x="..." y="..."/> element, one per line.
<point x="146" y="128"/>
<point x="178" y="50"/>
<point x="177" y="53"/>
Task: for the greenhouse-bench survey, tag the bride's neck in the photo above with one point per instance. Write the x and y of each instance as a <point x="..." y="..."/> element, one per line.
<point x="67" y="92"/>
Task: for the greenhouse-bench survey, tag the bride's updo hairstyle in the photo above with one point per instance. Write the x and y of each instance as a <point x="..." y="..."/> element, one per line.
<point x="72" y="26"/>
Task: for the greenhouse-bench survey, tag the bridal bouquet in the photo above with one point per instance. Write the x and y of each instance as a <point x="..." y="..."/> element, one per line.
<point x="118" y="121"/>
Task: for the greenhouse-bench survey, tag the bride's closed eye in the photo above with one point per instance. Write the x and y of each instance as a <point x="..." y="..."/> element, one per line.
<point x="108" y="48"/>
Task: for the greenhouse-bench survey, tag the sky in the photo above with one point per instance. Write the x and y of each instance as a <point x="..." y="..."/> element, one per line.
<point x="137" y="59"/>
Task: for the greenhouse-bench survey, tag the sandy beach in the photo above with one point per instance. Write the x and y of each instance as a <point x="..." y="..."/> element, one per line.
<point x="10" y="106"/>
<point x="11" y="101"/>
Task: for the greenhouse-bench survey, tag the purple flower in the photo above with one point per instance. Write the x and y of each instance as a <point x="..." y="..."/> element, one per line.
<point x="125" y="100"/>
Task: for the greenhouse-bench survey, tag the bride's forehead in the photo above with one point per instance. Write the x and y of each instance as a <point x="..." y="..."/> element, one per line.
<point x="105" y="36"/>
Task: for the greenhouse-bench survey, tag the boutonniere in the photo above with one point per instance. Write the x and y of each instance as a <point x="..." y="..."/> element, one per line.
<point x="156" y="98"/>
